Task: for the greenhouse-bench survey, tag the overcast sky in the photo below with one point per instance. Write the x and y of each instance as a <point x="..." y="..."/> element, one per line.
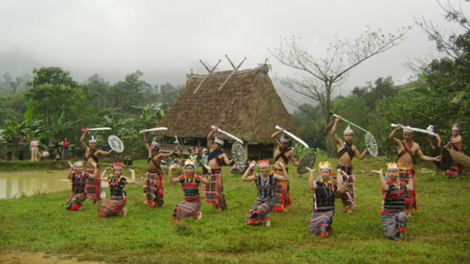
<point x="166" y="39"/>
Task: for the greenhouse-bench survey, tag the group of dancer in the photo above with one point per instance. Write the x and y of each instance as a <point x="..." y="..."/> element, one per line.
<point x="398" y="185"/>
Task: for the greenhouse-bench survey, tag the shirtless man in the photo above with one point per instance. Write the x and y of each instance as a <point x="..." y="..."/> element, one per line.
<point x="153" y="183"/>
<point x="455" y="143"/>
<point x="214" y="192"/>
<point x="346" y="152"/>
<point x="407" y="149"/>
<point x="93" y="186"/>
<point x="282" y="154"/>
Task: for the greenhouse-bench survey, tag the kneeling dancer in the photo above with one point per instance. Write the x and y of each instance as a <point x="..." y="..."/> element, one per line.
<point x="190" y="180"/>
<point x="78" y="178"/>
<point x="117" y="182"/>
<point x="266" y="184"/>
<point x="393" y="215"/>
<point x="324" y="198"/>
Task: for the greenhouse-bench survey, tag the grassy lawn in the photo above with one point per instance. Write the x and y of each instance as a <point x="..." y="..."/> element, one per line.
<point x="438" y="232"/>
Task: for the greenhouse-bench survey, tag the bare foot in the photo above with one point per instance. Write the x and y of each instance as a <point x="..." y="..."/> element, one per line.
<point x="124" y="212"/>
<point x="199" y="217"/>
<point x="268" y="223"/>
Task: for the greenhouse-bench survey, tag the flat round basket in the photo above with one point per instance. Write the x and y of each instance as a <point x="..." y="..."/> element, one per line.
<point x="308" y="160"/>
<point x="115" y="144"/>
<point x="372" y="145"/>
<point x="239" y="154"/>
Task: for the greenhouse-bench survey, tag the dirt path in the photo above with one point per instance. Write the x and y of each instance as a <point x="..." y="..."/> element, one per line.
<point x="18" y="257"/>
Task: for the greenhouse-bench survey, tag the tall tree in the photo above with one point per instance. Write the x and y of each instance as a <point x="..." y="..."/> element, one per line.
<point x="318" y="77"/>
<point x="449" y="75"/>
<point x="52" y="94"/>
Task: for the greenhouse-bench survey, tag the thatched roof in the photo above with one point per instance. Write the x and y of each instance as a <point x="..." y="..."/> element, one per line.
<point x="247" y="106"/>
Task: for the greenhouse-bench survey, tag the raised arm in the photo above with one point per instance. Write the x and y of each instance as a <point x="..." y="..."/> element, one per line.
<point x="146" y="142"/>
<point x="393" y="133"/>
<point x="311" y="180"/>
<point x="132" y="180"/>
<point x="82" y="139"/>
<point x="209" y="137"/>
<point x="104" y="175"/>
<point x="246" y="176"/>
<point x="170" y="173"/>
<point x="383" y="183"/>
<point x="274" y="137"/>
<point x="69" y="175"/>
<point x="333" y="131"/>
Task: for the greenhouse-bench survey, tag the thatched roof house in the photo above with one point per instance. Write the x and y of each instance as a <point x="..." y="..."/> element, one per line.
<point x="243" y="103"/>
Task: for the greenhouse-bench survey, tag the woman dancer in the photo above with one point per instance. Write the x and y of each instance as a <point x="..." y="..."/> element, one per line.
<point x="393" y="215"/>
<point x="78" y="178"/>
<point x="190" y="180"/>
<point x="324" y="198"/>
<point x="266" y="184"/>
<point x="117" y="182"/>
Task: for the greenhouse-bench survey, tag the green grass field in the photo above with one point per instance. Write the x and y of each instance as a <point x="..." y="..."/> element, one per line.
<point x="437" y="233"/>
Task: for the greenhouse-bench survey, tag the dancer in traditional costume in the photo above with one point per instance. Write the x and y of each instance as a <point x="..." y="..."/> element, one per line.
<point x="394" y="219"/>
<point x="190" y="180"/>
<point x="282" y="153"/>
<point x="346" y="152"/>
<point x="154" y="182"/>
<point x="266" y="184"/>
<point x="324" y="191"/>
<point x="455" y="143"/>
<point x="78" y="178"/>
<point x="214" y="192"/>
<point x="93" y="186"/>
<point x="114" y="206"/>
<point x="435" y="142"/>
<point x="407" y="149"/>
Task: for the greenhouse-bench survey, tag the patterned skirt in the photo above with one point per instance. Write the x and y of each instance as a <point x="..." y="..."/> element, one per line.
<point x="391" y="224"/>
<point x="186" y="209"/>
<point x="349" y="196"/>
<point x="93" y="186"/>
<point x="153" y="188"/>
<point x="455" y="169"/>
<point x="214" y="192"/>
<point x="282" y="192"/>
<point x="111" y="207"/>
<point x="410" y="197"/>
<point x="321" y="222"/>
<point x="75" y="201"/>
<point x="259" y="211"/>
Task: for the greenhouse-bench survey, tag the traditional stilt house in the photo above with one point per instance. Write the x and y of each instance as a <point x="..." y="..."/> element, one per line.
<point x="241" y="102"/>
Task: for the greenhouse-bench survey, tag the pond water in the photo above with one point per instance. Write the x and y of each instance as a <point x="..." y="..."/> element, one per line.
<point x="15" y="184"/>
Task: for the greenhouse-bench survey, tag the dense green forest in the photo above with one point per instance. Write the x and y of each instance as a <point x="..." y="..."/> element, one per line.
<point x="52" y="106"/>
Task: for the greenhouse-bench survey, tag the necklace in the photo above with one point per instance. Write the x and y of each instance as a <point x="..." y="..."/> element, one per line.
<point x="264" y="182"/>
